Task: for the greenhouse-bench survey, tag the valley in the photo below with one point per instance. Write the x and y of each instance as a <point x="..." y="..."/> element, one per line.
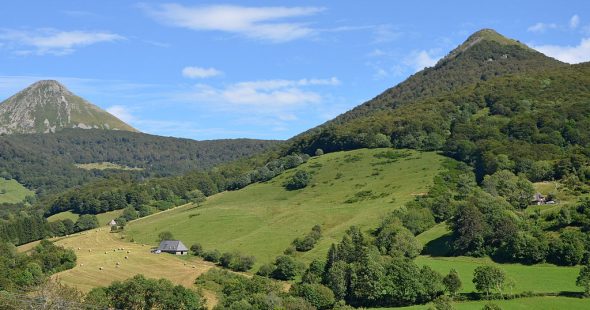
<point x="464" y="186"/>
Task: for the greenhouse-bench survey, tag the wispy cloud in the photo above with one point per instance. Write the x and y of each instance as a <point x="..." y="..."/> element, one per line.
<point x="267" y="95"/>
<point x="52" y="41"/>
<point x="574" y="21"/>
<point x="121" y="112"/>
<point x="541" y="27"/>
<point x="264" y="23"/>
<point x="200" y="73"/>
<point x="419" y="60"/>
<point x="569" y="54"/>
<point x="385" y="34"/>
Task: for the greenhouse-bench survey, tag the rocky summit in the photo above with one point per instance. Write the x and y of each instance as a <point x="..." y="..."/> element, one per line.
<point x="48" y="106"/>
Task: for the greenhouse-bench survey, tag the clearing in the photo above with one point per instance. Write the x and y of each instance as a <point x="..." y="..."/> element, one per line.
<point x="13" y="192"/>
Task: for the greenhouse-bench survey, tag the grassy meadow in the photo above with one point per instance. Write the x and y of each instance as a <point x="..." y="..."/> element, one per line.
<point x="106" y="166"/>
<point x="263" y="219"/>
<point x="13" y="192"/>
<point x="99" y="248"/>
<point x="540" y="278"/>
<point x="536" y="303"/>
<point x="103" y="218"/>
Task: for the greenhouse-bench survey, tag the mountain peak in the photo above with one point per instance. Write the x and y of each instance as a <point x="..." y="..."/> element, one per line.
<point x="485" y="35"/>
<point x="488" y="34"/>
<point x="48" y="106"/>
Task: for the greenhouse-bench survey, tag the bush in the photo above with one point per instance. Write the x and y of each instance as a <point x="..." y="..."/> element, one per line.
<point x="491" y="306"/>
<point x="212" y="256"/>
<point x="316" y="294"/>
<point x="86" y="221"/>
<point x="309" y="241"/>
<point x="165" y="235"/>
<point x="266" y="270"/>
<point x="197" y="249"/>
<point x="286" y="268"/>
<point x="299" y="180"/>
<point x="236" y="261"/>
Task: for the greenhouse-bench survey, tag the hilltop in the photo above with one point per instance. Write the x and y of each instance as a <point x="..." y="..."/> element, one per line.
<point x="48" y="106"/>
<point x="484" y="55"/>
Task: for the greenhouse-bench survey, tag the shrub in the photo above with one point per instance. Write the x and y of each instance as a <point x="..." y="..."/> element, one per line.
<point x="165" y="235"/>
<point x="299" y="180"/>
<point x="266" y="270"/>
<point x="212" y="256"/>
<point x="286" y="268"/>
<point x="236" y="261"/>
<point x="316" y="294"/>
<point x="197" y="249"/>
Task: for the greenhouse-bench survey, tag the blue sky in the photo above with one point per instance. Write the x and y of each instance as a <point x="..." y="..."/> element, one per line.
<point x="257" y="69"/>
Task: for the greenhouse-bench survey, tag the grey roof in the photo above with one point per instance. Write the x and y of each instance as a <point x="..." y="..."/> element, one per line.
<point x="172" y="246"/>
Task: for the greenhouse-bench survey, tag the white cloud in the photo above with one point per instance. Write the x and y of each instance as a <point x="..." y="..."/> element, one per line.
<point x="385" y="34"/>
<point x="541" y="27"/>
<point x="278" y="99"/>
<point x="569" y="54"/>
<point x="200" y="73"/>
<point x="263" y="23"/>
<point x="419" y="60"/>
<point x="121" y="113"/>
<point x="51" y="41"/>
<point x="377" y="53"/>
<point x="574" y="21"/>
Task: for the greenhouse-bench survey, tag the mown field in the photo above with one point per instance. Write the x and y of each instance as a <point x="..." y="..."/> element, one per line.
<point x="263" y="219"/>
<point x="100" y="248"/>
<point x="103" y="218"/>
<point x="13" y="192"/>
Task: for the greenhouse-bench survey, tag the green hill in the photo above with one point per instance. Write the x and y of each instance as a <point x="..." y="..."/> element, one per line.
<point x="486" y="54"/>
<point x="264" y="218"/>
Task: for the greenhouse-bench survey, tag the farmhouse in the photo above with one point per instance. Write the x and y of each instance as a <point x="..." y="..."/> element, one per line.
<point x="173" y="247"/>
<point x="112" y="223"/>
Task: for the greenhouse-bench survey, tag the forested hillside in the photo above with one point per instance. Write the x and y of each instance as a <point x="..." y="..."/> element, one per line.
<point x="528" y="123"/>
<point x="45" y="162"/>
<point x="484" y="55"/>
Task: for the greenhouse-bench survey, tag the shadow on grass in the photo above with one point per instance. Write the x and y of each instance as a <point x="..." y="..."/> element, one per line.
<point x="438" y="247"/>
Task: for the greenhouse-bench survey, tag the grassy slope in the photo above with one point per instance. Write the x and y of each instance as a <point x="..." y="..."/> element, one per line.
<point x="537" y="303"/>
<point x="15" y="192"/>
<point x="263" y="219"/>
<point x="103" y="218"/>
<point x="106" y="166"/>
<point x="100" y="248"/>
<point x="538" y="278"/>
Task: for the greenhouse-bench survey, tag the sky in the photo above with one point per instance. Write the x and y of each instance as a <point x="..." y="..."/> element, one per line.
<point x="255" y="69"/>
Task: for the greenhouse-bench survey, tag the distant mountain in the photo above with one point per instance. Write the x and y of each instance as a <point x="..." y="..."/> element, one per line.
<point x="48" y="106"/>
<point x="485" y="55"/>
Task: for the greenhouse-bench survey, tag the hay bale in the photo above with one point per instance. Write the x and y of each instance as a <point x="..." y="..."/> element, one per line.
<point x="128" y="252"/>
<point x="126" y="257"/>
<point x="99" y="268"/>
<point x="118" y="263"/>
